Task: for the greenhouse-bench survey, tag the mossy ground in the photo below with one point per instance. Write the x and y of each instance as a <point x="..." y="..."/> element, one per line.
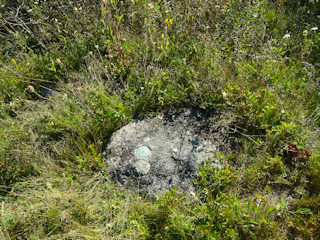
<point x="107" y="62"/>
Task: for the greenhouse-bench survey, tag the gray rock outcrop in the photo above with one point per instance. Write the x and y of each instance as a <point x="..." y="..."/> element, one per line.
<point x="155" y="154"/>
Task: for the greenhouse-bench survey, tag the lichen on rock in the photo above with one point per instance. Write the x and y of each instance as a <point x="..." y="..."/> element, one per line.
<point x="170" y="147"/>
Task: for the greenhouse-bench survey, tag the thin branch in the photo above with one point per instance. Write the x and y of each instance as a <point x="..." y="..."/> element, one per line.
<point x="27" y="78"/>
<point x="245" y="135"/>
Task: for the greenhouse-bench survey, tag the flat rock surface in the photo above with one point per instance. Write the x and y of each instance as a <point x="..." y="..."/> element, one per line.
<point x="154" y="154"/>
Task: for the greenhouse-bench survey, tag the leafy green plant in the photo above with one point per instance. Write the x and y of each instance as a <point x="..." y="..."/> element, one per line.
<point x="90" y="160"/>
<point x="213" y="180"/>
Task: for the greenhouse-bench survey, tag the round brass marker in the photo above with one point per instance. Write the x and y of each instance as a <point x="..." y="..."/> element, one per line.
<point x="143" y="152"/>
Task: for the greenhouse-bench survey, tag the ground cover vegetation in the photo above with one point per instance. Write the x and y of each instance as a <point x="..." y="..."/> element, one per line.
<point x="73" y="72"/>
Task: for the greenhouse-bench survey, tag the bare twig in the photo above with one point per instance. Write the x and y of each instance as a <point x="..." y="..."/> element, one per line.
<point x="27" y="78"/>
<point x="245" y="135"/>
<point x="17" y="21"/>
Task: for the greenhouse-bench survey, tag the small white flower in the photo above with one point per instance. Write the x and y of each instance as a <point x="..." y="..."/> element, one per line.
<point x="286" y="36"/>
<point x="282" y="111"/>
<point x="305" y="33"/>
<point x="150" y="5"/>
<point x="314" y="29"/>
<point x="224" y="94"/>
<point x="108" y="225"/>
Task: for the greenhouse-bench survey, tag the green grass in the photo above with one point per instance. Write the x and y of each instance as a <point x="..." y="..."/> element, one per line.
<point x="108" y="62"/>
